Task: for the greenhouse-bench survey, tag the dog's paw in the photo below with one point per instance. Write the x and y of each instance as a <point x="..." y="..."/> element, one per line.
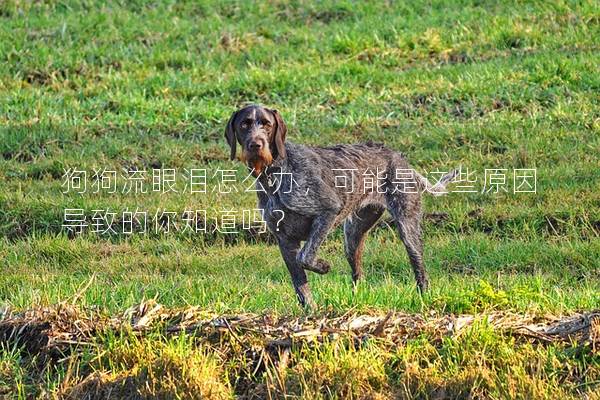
<point x="320" y="266"/>
<point x="422" y="285"/>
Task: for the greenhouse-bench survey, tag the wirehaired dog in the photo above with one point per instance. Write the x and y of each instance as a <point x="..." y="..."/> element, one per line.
<point x="305" y="185"/>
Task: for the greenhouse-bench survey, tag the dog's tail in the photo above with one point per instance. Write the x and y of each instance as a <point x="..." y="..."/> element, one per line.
<point x="439" y="188"/>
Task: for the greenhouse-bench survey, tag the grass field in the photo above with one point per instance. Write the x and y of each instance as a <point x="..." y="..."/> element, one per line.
<point x="151" y="85"/>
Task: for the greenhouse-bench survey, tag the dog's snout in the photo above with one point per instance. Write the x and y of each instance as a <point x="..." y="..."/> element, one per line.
<point x="255" y="145"/>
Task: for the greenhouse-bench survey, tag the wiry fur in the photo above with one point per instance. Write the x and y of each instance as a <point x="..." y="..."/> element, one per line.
<point x="313" y="205"/>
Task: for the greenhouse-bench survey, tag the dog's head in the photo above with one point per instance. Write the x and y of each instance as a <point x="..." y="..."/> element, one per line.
<point x="261" y="133"/>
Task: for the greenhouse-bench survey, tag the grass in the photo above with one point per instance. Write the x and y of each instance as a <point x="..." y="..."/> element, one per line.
<point x="89" y="84"/>
<point x="480" y="362"/>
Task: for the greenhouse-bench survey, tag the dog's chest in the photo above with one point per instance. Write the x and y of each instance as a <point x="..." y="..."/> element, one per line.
<point x="280" y="218"/>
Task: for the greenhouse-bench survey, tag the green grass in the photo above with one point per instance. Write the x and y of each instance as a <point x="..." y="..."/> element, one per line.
<point x="84" y="84"/>
<point x="480" y="275"/>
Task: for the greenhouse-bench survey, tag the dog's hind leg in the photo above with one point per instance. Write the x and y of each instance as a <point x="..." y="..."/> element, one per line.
<point x="406" y="211"/>
<point x="355" y="233"/>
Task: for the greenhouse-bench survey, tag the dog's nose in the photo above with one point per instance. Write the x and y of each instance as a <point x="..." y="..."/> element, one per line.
<point x="255" y="145"/>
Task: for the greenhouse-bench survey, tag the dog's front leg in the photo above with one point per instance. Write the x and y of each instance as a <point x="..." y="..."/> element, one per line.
<point x="289" y="251"/>
<point x="307" y="257"/>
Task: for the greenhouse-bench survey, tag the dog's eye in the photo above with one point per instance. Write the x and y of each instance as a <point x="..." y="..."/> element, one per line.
<point x="265" y="123"/>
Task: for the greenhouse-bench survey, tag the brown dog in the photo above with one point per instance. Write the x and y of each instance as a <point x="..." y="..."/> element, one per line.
<point x="313" y="203"/>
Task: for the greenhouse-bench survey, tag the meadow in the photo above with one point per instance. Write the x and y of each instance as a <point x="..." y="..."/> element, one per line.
<point x="147" y="85"/>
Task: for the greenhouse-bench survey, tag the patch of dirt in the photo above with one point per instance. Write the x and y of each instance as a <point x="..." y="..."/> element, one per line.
<point x="44" y="77"/>
<point x="460" y="108"/>
<point x="52" y="331"/>
<point x="437" y="218"/>
<point x="309" y="15"/>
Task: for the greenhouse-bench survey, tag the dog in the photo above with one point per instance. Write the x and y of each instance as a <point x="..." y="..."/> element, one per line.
<point x="302" y="194"/>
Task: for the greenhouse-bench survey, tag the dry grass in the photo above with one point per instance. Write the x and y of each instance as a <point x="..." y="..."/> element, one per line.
<point x="53" y="328"/>
<point x="150" y="351"/>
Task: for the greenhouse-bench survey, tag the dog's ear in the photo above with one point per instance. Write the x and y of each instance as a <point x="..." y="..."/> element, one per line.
<point x="280" y="132"/>
<point x="230" y="135"/>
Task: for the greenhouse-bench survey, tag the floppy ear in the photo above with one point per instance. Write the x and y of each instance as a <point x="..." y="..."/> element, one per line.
<point x="230" y="135"/>
<point x="280" y="132"/>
